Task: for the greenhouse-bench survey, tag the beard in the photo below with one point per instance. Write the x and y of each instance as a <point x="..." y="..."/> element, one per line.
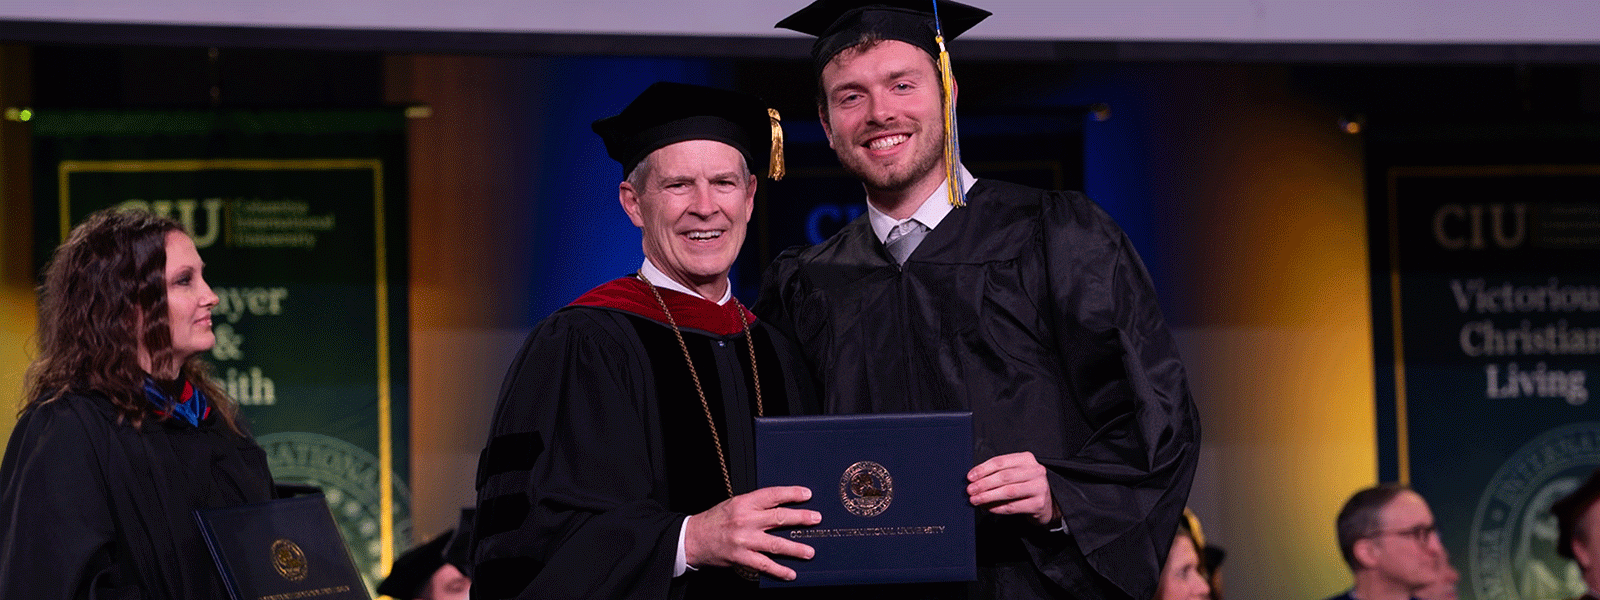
<point x="924" y="158"/>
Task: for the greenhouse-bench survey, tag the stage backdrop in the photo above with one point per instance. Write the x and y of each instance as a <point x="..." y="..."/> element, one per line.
<point x="297" y="216"/>
<point x="1486" y="246"/>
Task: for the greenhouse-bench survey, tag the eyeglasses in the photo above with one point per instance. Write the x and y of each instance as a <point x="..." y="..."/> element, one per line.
<point x="1419" y="534"/>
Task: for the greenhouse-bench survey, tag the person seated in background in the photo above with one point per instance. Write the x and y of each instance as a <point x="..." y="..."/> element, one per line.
<point x="1578" y="531"/>
<point x="1444" y="584"/>
<point x="1214" y="555"/>
<point x="1388" y="537"/>
<point x="424" y="573"/>
<point x="437" y="570"/>
<point x="1184" y="576"/>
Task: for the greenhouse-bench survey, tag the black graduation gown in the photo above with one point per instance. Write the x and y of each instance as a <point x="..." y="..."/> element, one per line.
<point x="95" y="508"/>
<point x="600" y="447"/>
<point x="1031" y="309"/>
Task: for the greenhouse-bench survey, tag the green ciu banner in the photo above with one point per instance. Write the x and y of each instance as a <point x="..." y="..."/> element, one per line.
<point x="1494" y="288"/>
<point x="296" y="216"/>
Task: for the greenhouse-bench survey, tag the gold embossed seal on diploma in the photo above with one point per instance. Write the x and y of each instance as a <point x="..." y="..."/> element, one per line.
<point x="891" y="490"/>
<point x="866" y="489"/>
<point x="285" y="549"/>
<point x="289" y="559"/>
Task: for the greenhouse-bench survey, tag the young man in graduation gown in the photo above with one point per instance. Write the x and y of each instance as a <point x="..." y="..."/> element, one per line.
<point x="1028" y="307"/>
<point x="620" y="462"/>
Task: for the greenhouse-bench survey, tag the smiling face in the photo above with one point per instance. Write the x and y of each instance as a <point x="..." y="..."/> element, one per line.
<point x="189" y="299"/>
<point x="884" y="117"/>
<point x="695" y="202"/>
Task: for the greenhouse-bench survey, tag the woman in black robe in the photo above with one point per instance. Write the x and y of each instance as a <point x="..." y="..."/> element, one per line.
<point x="122" y="434"/>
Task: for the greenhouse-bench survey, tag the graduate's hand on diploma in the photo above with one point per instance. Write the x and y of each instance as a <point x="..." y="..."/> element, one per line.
<point x="734" y="532"/>
<point x="1013" y="484"/>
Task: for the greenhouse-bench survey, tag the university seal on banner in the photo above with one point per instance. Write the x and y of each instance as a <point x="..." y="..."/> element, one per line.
<point x="1511" y="550"/>
<point x="289" y="560"/>
<point x="866" y="489"/>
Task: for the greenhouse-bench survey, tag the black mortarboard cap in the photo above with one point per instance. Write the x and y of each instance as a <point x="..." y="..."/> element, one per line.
<point x="667" y="113"/>
<point x="414" y="568"/>
<point x="1569" y="512"/>
<point x="840" y="24"/>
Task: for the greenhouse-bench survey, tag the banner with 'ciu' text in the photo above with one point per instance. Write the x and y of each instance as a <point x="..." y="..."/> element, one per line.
<point x="1487" y="300"/>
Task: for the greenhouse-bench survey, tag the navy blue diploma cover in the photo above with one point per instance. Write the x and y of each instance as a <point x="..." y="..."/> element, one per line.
<point x="287" y="549"/>
<point x="891" y="489"/>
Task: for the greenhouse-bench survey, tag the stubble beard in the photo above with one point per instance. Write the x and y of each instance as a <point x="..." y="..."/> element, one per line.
<point x="923" y="160"/>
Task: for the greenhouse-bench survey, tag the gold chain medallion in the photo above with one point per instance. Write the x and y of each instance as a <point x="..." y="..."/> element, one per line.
<point x="755" y="375"/>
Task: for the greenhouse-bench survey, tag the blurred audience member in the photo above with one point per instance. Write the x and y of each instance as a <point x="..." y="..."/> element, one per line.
<point x="1183" y="577"/>
<point x="1388" y="537"/>
<point x="437" y="570"/>
<point x="1213" y="565"/>
<point x="1443" y="586"/>
<point x="1579" y="531"/>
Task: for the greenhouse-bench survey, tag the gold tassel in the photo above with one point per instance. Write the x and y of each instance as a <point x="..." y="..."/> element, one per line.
<point x="952" y="153"/>
<point x="775" y="171"/>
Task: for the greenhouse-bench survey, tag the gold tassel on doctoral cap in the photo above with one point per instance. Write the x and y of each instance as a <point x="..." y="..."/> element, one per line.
<point x="775" y="168"/>
<point x="952" y="145"/>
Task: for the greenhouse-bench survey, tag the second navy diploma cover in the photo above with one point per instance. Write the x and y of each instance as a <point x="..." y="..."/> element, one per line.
<point x="286" y="549"/>
<point x="891" y="489"/>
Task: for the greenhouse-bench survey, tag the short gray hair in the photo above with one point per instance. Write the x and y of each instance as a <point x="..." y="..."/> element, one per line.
<point x="641" y="172"/>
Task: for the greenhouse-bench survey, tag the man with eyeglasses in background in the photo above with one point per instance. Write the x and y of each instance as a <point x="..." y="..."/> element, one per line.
<point x="1387" y="536"/>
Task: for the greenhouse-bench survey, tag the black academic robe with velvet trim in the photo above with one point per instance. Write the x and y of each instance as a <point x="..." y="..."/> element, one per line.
<point x="1032" y="310"/>
<point x="600" y="446"/>
<point x="93" y="508"/>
